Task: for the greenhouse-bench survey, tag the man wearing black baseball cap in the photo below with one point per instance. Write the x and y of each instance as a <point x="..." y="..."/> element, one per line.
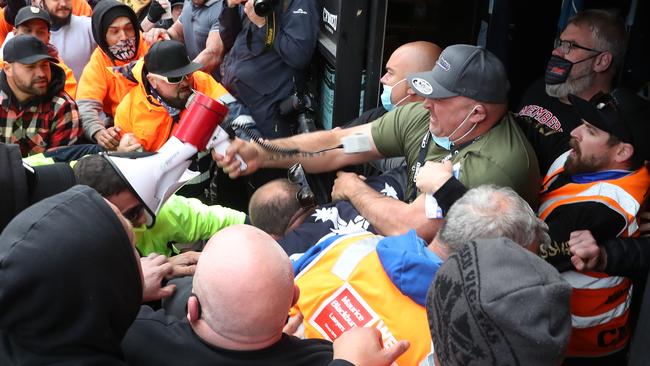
<point x="166" y="78"/>
<point x="463" y="119"/>
<point x="35" y="111"/>
<point x="599" y="184"/>
<point x="36" y="22"/>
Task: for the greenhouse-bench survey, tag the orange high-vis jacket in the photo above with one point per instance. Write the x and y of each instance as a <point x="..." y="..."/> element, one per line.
<point x="599" y="303"/>
<point x="5" y="27"/>
<point x="101" y="83"/>
<point x="79" y="7"/>
<point x="70" y="81"/>
<point x="346" y="286"/>
<point x="143" y="116"/>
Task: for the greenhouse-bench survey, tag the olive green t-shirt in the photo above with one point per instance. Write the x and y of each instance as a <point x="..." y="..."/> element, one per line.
<point x="502" y="156"/>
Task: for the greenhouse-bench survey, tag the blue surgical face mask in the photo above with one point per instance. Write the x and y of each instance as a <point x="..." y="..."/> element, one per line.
<point x="445" y="142"/>
<point x="386" y="94"/>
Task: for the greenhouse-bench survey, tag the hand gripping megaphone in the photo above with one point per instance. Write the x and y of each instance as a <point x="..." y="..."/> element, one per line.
<point x="156" y="177"/>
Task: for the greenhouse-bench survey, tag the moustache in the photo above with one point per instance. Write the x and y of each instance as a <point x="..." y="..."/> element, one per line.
<point x="573" y="143"/>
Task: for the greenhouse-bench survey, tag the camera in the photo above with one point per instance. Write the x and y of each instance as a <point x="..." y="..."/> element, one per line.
<point x="264" y="7"/>
<point x="301" y="104"/>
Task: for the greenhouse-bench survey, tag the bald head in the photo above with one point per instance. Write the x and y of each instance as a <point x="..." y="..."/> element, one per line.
<point x="407" y="59"/>
<point x="273" y="205"/>
<point x="420" y="56"/>
<point x="244" y="283"/>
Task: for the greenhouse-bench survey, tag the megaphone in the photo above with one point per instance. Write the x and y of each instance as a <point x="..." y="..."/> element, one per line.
<point x="156" y="177"/>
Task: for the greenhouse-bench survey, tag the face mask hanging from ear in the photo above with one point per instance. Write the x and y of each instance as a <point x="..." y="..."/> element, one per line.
<point x="446" y="142"/>
<point x="387" y="93"/>
<point x="558" y="69"/>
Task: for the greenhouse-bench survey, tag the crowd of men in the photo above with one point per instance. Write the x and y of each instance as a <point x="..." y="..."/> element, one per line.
<point x="478" y="235"/>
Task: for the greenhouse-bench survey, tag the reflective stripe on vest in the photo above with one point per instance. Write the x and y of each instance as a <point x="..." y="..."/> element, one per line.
<point x="345" y="286"/>
<point x="599" y="303"/>
<point x="592" y="321"/>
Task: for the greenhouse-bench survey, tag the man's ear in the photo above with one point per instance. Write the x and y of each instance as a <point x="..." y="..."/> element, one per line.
<point x="193" y="309"/>
<point x="624" y="152"/>
<point x="6" y="67"/>
<point x="479" y="114"/>
<point x="296" y="294"/>
<point x="152" y="81"/>
<point x="603" y="62"/>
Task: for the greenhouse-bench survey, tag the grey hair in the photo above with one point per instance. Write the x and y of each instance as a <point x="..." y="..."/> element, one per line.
<point x="488" y="212"/>
<point x="608" y="30"/>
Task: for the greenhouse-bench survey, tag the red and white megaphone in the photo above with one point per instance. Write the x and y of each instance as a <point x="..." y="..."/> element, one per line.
<point x="156" y="177"/>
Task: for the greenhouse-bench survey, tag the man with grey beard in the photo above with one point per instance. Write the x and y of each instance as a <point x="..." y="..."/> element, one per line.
<point x="585" y="61"/>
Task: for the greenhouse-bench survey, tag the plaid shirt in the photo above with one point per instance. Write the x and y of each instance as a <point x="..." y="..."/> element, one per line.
<point x="42" y="123"/>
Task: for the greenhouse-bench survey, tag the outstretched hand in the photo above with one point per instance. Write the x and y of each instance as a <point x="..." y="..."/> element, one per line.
<point x="364" y="347"/>
<point x="154" y="268"/>
<point x="231" y="165"/>
<point x="433" y="175"/>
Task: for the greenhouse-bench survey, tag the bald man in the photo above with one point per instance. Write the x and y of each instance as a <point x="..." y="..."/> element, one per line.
<point x="242" y="291"/>
<point x="407" y="59"/>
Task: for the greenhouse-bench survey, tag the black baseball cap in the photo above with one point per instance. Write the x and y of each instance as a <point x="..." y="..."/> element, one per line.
<point x="26" y="49"/>
<point x="169" y="58"/>
<point x="28" y="13"/>
<point x="464" y="70"/>
<point x="620" y="115"/>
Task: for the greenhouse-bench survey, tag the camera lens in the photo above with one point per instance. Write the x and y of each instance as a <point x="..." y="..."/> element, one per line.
<point x="263" y="7"/>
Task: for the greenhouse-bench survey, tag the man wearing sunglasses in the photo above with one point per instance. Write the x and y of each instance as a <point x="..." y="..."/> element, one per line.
<point x="585" y="60"/>
<point x="166" y="78"/>
<point x="151" y="110"/>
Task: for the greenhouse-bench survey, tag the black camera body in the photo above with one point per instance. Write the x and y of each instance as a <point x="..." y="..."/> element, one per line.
<point x="264" y="7"/>
<point x="302" y="106"/>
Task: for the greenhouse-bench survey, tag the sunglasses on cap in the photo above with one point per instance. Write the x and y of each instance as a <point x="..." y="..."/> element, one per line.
<point x="305" y="195"/>
<point x="170" y="79"/>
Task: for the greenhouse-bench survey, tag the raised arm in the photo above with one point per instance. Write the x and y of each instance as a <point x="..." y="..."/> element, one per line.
<point x="310" y="155"/>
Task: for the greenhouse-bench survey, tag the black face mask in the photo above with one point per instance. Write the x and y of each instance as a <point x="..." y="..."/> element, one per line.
<point x="558" y="69"/>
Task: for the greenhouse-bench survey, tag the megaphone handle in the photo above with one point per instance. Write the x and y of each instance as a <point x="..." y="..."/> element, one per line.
<point x="219" y="141"/>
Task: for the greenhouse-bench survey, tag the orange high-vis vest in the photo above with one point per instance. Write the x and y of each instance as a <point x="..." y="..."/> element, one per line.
<point x="599" y="303"/>
<point x="99" y="82"/>
<point x="142" y="115"/>
<point x="346" y="286"/>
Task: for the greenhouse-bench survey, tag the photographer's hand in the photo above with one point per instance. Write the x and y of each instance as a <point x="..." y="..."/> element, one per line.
<point x="233" y="3"/>
<point x="254" y="18"/>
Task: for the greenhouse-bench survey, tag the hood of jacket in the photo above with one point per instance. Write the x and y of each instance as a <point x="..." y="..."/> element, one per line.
<point x="407" y="261"/>
<point x="70" y="285"/>
<point x="132" y="71"/>
<point x="409" y="264"/>
<point x="98" y="19"/>
<point x="22" y="185"/>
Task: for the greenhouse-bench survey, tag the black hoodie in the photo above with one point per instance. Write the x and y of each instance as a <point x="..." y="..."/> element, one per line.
<point x="70" y="285"/>
<point x="21" y="186"/>
<point x="99" y="19"/>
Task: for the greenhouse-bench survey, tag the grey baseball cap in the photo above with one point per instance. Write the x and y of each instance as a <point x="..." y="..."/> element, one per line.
<point x="464" y="70"/>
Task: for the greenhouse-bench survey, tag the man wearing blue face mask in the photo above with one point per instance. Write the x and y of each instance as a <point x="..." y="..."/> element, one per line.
<point x="466" y="101"/>
<point x="407" y="59"/>
<point x="585" y="61"/>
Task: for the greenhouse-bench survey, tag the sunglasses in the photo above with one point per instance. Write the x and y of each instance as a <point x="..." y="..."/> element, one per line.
<point x="134" y="213"/>
<point x="567" y="46"/>
<point x="305" y="195"/>
<point x="170" y="79"/>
